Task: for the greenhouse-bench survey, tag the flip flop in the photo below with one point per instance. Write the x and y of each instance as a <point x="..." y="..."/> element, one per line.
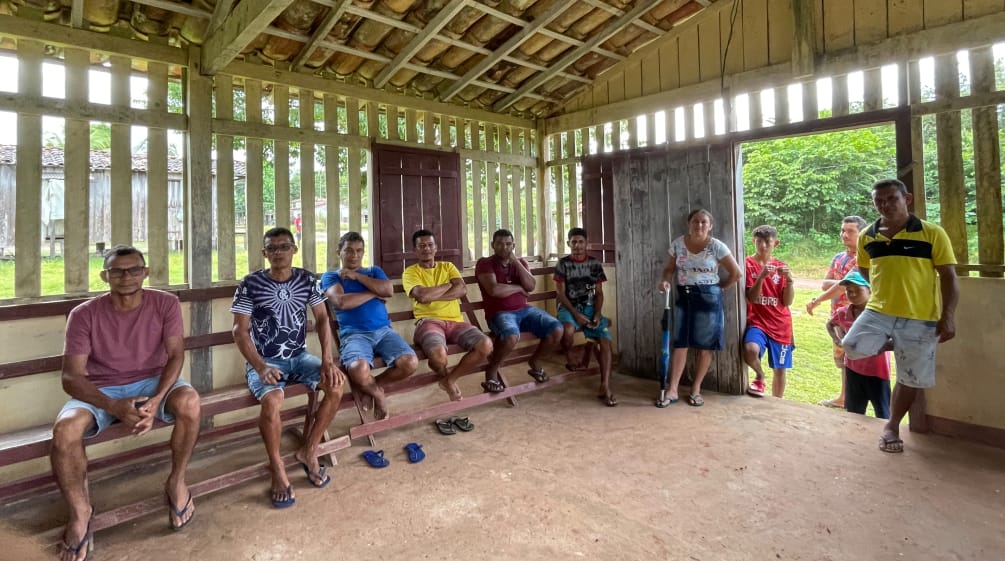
<point x="375" y="459"/>
<point x="892" y="445"/>
<point x="319" y="479"/>
<point x="666" y="402"/>
<point x="445" y="426"/>
<point x="284" y="503"/>
<point x="493" y="386"/>
<point x="86" y="541"/>
<point x="695" y="401"/>
<point x="179" y="513"/>
<point x="415" y="453"/>
<point x="463" y="423"/>
<point x="609" y="401"/>
<point x="538" y="375"/>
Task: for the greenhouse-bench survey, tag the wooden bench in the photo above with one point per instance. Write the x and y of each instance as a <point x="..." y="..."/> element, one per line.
<point x="369" y="427"/>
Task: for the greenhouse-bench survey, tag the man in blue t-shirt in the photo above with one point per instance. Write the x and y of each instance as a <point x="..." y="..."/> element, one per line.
<point x="358" y="295"/>
<point x="270" y="330"/>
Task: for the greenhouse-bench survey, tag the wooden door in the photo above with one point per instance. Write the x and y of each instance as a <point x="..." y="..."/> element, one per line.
<point x="598" y="206"/>
<point x="415" y="189"/>
<point x="654" y="190"/>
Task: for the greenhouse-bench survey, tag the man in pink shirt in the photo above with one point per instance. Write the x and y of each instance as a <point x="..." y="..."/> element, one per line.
<point x="123" y="355"/>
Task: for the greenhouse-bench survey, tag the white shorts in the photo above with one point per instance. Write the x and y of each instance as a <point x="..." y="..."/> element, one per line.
<point x="914" y="343"/>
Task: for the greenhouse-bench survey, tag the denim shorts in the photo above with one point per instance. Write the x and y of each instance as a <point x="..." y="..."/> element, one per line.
<point x="592" y="333"/>
<point x="143" y="388"/>
<point x="535" y="320"/>
<point x="303" y="368"/>
<point x="363" y="345"/>
<point x="914" y="343"/>
<point x="779" y="355"/>
<point x="698" y="320"/>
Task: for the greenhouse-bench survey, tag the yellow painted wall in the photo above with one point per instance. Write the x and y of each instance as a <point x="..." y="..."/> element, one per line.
<point x="971" y="378"/>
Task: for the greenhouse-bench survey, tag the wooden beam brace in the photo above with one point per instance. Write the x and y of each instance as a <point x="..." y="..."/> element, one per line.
<point x="803" y="38"/>
<point x="506" y="48"/>
<point x="242" y="25"/>
<point x="334" y="14"/>
<point x="608" y="32"/>
<point x="439" y="21"/>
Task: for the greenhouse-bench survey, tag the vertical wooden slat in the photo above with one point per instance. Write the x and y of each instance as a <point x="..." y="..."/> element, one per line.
<point x="913" y="78"/>
<point x="393" y="132"/>
<point x="490" y="137"/>
<point x="528" y="217"/>
<point x="873" y="89"/>
<point x="734" y="56"/>
<point x="157" y="178"/>
<point x="633" y="133"/>
<point x="804" y="29"/>
<point x="811" y="110"/>
<point x="333" y="191"/>
<point x="464" y="134"/>
<point x="710" y="47"/>
<point x="905" y="16"/>
<point x="76" y="181"/>
<point x="560" y="208"/>
<point x="977" y="8"/>
<point x="411" y="130"/>
<point x="779" y="36"/>
<point x="755" y="33"/>
<point x="598" y="135"/>
<point x="308" y="241"/>
<point x="839" y="95"/>
<point x="669" y="78"/>
<point x="122" y="157"/>
<point x="952" y="191"/>
<point x="570" y="171"/>
<point x="254" y="190"/>
<point x="941" y="12"/>
<point x="754" y="109"/>
<point x="870" y="22"/>
<point x="28" y="173"/>
<point x="987" y="164"/>
<point x="281" y="95"/>
<point x="504" y="187"/>
<point x="372" y="120"/>
<point x="444" y="131"/>
<point x="491" y="194"/>
<point x="688" y="54"/>
<point x="543" y="189"/>
<point x="476" y="203"/>
<point x="226" y="259"/>
<point x="687" y="122"/>
<point x="781" y="105"/>
<point x="351" y="116"/>
<point x="708" y="114"/>
<point x="839" y="25"/>
<point x="356" y="190"/>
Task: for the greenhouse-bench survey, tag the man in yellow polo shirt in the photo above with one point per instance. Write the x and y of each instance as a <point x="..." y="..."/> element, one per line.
<point x="435" y="287"/>
<point x="910" y="264"/>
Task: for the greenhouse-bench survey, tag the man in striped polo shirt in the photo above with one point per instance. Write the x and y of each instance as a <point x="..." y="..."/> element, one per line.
<point x="910" y="264"/>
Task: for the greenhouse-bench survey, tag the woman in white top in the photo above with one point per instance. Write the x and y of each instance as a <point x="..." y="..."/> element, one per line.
<point x="693" y="265"/>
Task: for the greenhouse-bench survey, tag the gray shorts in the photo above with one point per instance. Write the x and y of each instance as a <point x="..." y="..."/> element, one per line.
<point x="914" y="343"/>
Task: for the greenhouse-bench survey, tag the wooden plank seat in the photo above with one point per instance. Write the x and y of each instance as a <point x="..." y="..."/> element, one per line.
<point x="369" y="426"/>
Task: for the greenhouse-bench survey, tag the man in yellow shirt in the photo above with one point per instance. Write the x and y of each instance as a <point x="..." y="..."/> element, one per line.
<point x="435" y="288"/>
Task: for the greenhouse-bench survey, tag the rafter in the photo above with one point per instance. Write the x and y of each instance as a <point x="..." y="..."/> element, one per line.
<point x="220" y="12"/>
<point x="441" y="19"/>
<point x="334" y="14"/>
<point x="574" y="55"/>
<point x="241" y="26"/>
<point x="506" y="48"/>
<point x="616" y="12"/>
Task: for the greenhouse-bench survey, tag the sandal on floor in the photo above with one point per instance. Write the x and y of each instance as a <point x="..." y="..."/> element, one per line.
<point x="463" y="423"/>
<point x="493" y="386"/>
<point x="891" y="445"/>
<point x="179" y="512"/>
<point x="415" y="453"/>
<point x="608" y="400"/>
<point x="319" y="479"/>
<point x="538" y="375"/>
<point x="695" y="401"/>
<point x="445" y="426"/>
<point x="85" y="542"/>
<point x="375" y="459"/>
<point x="283" y="503"/>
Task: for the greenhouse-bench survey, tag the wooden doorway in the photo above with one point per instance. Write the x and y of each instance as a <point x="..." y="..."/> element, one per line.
<point x="655" y="189"/>
<point x="415" y="188"/>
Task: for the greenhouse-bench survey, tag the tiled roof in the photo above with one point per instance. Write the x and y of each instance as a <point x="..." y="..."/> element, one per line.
<point x="101" y="160"/>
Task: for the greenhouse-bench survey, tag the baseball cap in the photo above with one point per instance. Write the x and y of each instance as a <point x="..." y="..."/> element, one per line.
<point x="854" y="277"/>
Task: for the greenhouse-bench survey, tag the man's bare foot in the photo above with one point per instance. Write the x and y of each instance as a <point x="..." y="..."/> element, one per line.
<point x="380" y="411"/>
<point x="453" y="392"/>
<point x="367" y="403"/>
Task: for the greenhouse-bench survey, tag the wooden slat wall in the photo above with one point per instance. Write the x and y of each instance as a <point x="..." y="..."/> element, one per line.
<point x="157" y="179"/>
<point x="281" y="103"/>
<point x="28" y="221"/>
<point x="308" y="240"/>
<point x="226" y="266"/>
<point x="76" y="178"/>
<point x="122" y="158"/>
<point x="254" y="182"/>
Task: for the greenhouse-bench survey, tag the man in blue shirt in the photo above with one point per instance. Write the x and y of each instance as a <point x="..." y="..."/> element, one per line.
<point x="358" y="295"/>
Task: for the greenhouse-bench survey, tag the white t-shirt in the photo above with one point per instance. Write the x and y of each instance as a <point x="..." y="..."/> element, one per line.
<point x="698" y="268"/>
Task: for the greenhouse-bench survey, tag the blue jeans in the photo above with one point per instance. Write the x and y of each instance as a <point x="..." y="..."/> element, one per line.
<point x="362" y="345"/>
<point x="698" y="319"/>
<point x="535" y="320"/>
<point x="143" y="388"/>
<point x="303" y="368"/>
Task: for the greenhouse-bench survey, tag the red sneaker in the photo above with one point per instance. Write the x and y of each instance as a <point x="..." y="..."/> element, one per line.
<point x="756" y="388"/>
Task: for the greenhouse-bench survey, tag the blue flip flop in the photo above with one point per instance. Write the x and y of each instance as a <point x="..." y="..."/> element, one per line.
<point x="288" y="501"/>
<point x="375" y="459"/>
<point x="319" y="479"/>
<point x="415" y="453"/>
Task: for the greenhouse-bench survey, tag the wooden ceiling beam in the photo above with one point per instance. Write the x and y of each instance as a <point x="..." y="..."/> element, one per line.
<point x="506" y="48"/>
<point x="439" y="21"/>
<point x="220" y="13"/>
<point x="334" y="14"/>
<point x="239" y="29"/>
<point x="534" y="82"/>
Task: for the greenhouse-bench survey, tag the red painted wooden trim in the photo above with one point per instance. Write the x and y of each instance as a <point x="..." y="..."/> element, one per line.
<point x="29" y="367"/>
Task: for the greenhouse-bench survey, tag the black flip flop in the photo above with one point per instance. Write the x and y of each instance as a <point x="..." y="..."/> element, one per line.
<point x="445" y="426"/>
<point x="463" y="423"/>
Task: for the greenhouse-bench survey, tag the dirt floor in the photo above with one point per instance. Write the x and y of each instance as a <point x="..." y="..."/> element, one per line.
<point x="563" y="477"/>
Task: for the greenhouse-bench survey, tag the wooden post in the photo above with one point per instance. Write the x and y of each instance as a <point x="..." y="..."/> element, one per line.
<point x="122" y="158"/>
<point x="987" y="164"/>
<point x="476" y="202"/>
<point x="372" y="120"/>
<point x="199" y="210"/>
<point x="351" y="116"/>
<point x="333" y="194"/>
<point x="28" y="173"/>
<point x="157" y="176"/>
<point x="281" y="99"/>
<point x="226" y="258"/>
<point x="952" y="192"/>
<point x="803" y="39"/>
<point x="254" y="184"/>
<point x="308" y="238"/>
<point x="76" y="181"/>
<point x="912" y="77"/>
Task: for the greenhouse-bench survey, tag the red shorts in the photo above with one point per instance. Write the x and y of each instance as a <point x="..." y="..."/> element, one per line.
<point x="431" y="333"/>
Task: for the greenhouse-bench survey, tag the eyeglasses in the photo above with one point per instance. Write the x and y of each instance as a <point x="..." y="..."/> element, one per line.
<point x="277" y="248"/>
<point x="117" y="273"/>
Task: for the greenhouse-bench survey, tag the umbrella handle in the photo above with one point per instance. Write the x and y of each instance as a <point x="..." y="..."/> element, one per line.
<point x="666" y="306"/>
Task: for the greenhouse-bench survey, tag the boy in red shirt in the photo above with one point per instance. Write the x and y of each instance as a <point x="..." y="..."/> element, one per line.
<point x="769" y="322"/>
<point x="868" y="378"/>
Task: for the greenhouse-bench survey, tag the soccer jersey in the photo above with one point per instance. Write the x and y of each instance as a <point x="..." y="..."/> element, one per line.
<point x="439" y="274"/>
<point x="123" y="347"/>
<point x="842" y="264"/>
<point x="581" y="279"/>
<point x="369" y="315"/>
<point x="698" y="268"/>
<point x="278" y="311"/>
<point x="876" y="365"/>
<point x="505" y="274"/>
<point x="769" y="313"/>
<point x="902" y="270"/>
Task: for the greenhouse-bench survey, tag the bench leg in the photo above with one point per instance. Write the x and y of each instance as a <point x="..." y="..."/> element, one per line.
<point x="511" y="399"/>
